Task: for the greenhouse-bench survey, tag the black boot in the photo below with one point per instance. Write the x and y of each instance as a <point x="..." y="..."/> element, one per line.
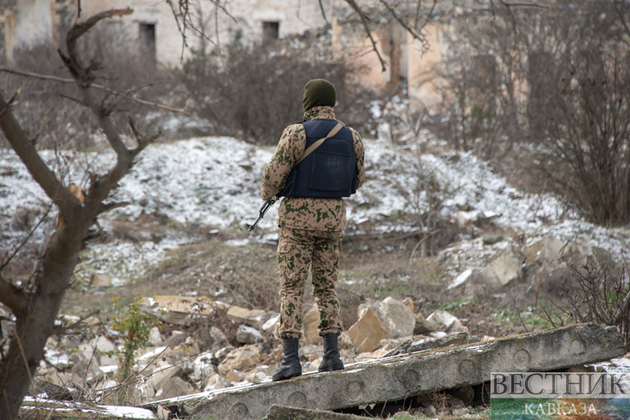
<point x="290" y="366"/>
<point x="331" y="360"/>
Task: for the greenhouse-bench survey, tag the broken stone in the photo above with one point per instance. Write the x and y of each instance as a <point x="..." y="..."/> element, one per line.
<point x="492" y="239"/>
<point x="179" y="310"/>
<point x="235" y="376"/>
<point x="398" y="319"/>
<point x="423" y="326"/>
<point x="163" y="372"/>
<point x="254" y="317"/>
<point x="547" y="249"/>
<point x="241" y="359"/>
<point x="272" y="325"/>
<point x="87" y="372"/>
<point x="444" y="321"/>
<point x="220" y="340"/>
<point x="403" y="376"/>
<point x="106" y="349"/>
<point x="100" y="280"/>
<point x="155" y="338"/>
<point x="367" y="332"/>
<point x="216" y="381"/>
<point x="176" y="338"/>
<point x="174" y="387"/>
<point x="310" y="324"/>
<point x="248" y="335"/>
<point x="54" y="392"/>
<point x="502" y="270"/>
<point x="409" y="303"/>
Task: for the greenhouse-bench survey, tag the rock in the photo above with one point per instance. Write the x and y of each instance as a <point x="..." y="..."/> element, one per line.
<point x="241" y="359"/>
<point x="100" y="280"/>
<point x="310" y="322"/>
<point x="176" y="338"/>
<point x="220" y="340"/>
<point x="430" y="411"/>
<point x="215" y="381"/>
<point x="87" y="372"/>
<point x="547" y="249"/>
<point x="163" y="372"/>
<point x="235" y="376"/>
<point x="492" y="239"/>
<point x="502" y="270"/>
<point x="189" y="347"/>
<point x="106" y="349"/>
<point x="272" y="325"/>
<point x="248" y="335"/>
<point x="155" y="338"/>
<point x="254" y="317"/>
<point x="179" y="310"/>
<point x="423" y="326"/>
<point x="398" y="319"/>
<point x="174" y="387"/>
<point x="54" y="392"/>
<point x="444" y="321"/>
<point x="367" y="332"/>
<point x="409" y="303"/>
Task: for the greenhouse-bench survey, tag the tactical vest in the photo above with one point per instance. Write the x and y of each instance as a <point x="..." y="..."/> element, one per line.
<point x="331" y="170"/>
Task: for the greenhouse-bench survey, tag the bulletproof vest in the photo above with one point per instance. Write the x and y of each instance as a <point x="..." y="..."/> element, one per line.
<point x="331" y="170"/>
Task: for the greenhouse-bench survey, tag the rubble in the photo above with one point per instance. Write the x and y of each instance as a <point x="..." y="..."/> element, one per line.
<point x="367" y="332"/>
<point x="76" y="410"/>
<point x="402" y="376"/>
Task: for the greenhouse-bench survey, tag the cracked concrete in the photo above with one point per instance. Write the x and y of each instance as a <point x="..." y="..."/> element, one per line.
<point x="402" y="376"/>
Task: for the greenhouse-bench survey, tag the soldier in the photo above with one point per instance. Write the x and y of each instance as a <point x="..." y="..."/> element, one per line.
<point x="312" y="217"/>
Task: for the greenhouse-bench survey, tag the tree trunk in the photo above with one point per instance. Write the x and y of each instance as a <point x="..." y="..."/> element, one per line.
<point x="35" y="326"/>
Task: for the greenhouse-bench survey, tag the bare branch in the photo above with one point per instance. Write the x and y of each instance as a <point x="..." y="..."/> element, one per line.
<point x="95" y="86"/>
<point x="321" y="7"/>
<point x="404" y="24"/>
<point x="14" y="298"/>
<point x="112" y="206"/>
<point x="8" y="259"/>
<point x="357" y="9"/>
<point x="40" y="172"/>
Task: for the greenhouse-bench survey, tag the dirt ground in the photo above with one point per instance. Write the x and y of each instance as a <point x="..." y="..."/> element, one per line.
<point x="372" y="267"/>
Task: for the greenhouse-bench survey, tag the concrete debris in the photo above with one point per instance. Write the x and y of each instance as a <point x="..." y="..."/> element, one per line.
<point x="398" y="319"/>
<point x="422" y="326"/>
<point x="399" y="377"/>
<point x="547" y="249"/>
<point x="179" y="310"/>
<point x="367" y="332"/>
<point x="75" y="410"/>
<point x="444" y="321"/>
<point x="100" y="280"/>
<point x="310" y="322"/>
<point x="241" y="359"/>
<point x="502" y="270"/>
<point x="279" y="412"/>
<point x="454" y="339"/>
<point x="155" y="338"/>
<point x="174" y="387"/>
<point x="248" y="335"/>
<point x="254" y="317"/>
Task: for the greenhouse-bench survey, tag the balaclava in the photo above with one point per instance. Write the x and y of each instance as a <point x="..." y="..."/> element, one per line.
<point x="319" y="92"/>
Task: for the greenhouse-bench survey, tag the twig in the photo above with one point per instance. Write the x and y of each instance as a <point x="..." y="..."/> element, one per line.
<point x="41" y="220"/>
<point x="357" y="9"/>
<point x="404" y="24"/>
<point x="6" y="400"/>
<point x="518" y="311"/>
<point x="6" y="111"/>
<point x="321" y="7"/>
<point x="95" y="86"/>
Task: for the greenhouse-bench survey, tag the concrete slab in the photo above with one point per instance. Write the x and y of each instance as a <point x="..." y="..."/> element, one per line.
<point x="402" y="376"/>
<point x="281" y="412"/>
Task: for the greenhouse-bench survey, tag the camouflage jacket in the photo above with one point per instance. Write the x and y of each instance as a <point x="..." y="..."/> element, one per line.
<point x="306" y="213"/>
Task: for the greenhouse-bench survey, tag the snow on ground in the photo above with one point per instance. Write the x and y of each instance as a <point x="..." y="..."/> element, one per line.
<point x="215" y="182"/>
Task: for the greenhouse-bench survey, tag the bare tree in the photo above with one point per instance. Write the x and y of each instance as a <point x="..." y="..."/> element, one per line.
<point x="36" y="304"/>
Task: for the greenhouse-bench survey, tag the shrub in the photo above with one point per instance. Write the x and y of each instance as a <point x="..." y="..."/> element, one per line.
<point x="255" y="91"/>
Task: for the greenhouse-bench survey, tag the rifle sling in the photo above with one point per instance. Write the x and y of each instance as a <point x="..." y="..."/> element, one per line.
<point x="319" y="142"/>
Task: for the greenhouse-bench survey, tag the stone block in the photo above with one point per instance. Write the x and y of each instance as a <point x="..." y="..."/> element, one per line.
<point x="502" y="270"/>
<point x="248" y="335"/>
<point x="367" y="332"/>
<point x="310" y="322"/>
<point x="241" y="359"/>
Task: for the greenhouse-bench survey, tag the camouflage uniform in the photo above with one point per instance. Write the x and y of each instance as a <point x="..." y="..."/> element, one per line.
<point x="310" y="233"/>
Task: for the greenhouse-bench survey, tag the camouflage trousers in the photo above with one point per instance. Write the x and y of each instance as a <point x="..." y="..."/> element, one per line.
<point x="299" y="250"/>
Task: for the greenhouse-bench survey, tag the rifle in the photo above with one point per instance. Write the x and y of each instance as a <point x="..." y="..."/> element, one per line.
<point x="261" y="213"/>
